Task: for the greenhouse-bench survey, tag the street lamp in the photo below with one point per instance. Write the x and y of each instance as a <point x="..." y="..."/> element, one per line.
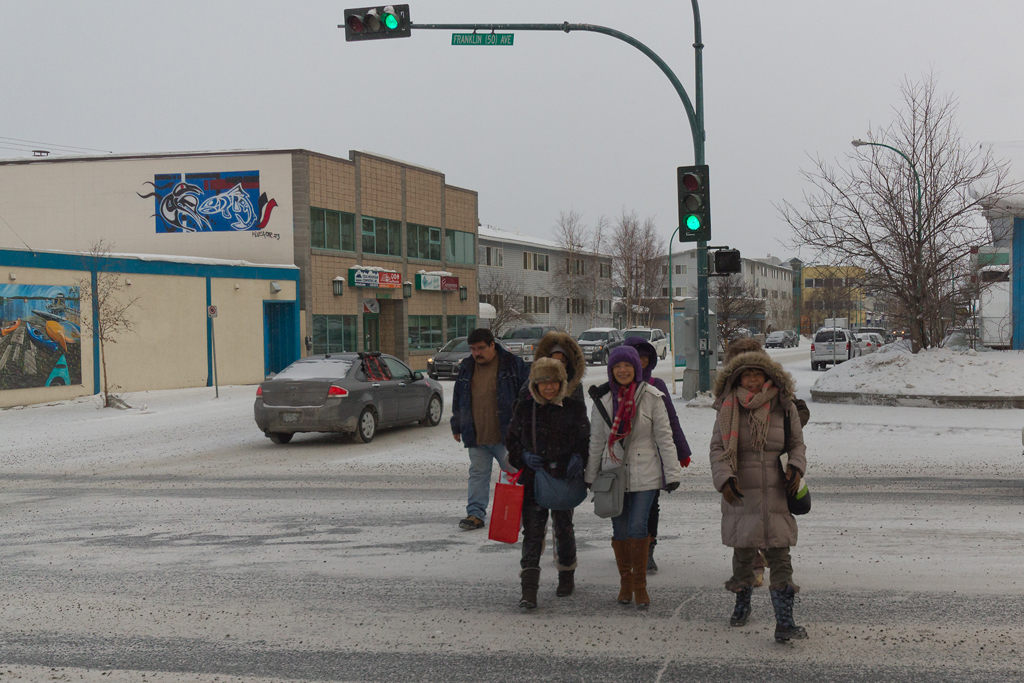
<point x="920" y="266"/>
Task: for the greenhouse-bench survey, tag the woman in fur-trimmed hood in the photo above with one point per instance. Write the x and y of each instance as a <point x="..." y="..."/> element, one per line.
<point x="549" y="430"/>
<point x="754" y="401"/>
<point x="561" y="346"/>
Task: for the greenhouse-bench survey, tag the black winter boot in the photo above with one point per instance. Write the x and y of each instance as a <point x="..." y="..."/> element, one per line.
<point x="742" y="611"/>
<point x="565" y="583"/>
<point x="652" y="566"/>
<point x="531" y="581"/>
<point x="785" y="628"/>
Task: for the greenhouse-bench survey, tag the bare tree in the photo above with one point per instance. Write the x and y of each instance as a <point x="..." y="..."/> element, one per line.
<point x="569" y="279"/>
<point x="867" y="213"/>
<point x="637" y="266"/>
<point x="505" y="291"/>
<point x="593" y="280"/>
<point x="738" y="306"/>
<point x="110" y="306"/>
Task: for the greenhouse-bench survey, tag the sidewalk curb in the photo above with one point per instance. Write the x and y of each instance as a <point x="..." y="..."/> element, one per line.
<point x="917" y="400"/>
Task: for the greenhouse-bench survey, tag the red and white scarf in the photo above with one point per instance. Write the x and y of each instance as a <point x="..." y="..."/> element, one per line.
<point x="759" y="406"/>
<point x="623" y="423"/>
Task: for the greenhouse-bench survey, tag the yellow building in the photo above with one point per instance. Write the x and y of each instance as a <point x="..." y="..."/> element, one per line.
<point x="834" y="292"/>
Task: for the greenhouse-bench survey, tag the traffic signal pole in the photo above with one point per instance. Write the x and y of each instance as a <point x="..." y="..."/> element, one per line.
<point x="695" y="115"/>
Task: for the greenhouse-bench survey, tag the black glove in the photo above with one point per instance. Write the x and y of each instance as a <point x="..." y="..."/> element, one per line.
<point x="574" y="470"/>
<point x="671" y="487"/>
<point x="533" y="461"/>
<point x="792" y="480"/>
<point x="731" y="493"/>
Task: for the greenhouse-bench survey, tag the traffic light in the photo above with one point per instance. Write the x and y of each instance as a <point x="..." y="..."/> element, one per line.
<point x="694" y="204"/>
<point x="371" y="23"/>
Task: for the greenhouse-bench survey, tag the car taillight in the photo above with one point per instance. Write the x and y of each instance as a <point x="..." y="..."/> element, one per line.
<point x="812" y="347"/>
<point x="337" y="391"/>
<point x="259" y="391"/>
<point x="847" y="346"/>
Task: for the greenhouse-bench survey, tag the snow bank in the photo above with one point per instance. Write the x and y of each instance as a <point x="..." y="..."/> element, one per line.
<point x="934" y="372"/>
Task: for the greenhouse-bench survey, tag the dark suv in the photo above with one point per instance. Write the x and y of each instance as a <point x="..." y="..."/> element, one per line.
<point x="598" y="342"/>
<point x="521" y="340"/>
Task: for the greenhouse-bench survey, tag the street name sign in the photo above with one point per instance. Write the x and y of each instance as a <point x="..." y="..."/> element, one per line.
<point x="482" y="38"/>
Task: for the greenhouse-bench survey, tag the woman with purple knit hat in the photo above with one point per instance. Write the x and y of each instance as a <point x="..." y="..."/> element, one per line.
<point x="630" y="427"/>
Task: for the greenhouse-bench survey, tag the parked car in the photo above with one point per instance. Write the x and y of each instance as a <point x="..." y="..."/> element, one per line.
<point x="657" y="338"/>
<point x="598" y="342"/>
<point x="521" y="340"/>
<point x="832" y="345"/>
<point x="345" y="392"/>
<point x="782" y="339"/>
<point x="445" y="363"/>
<point x="869" y="342"/>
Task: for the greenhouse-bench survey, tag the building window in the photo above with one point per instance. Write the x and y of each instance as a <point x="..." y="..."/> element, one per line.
<point x="679" y="270"/>
<point x="575" y="266"/>
<point x="332" y="230"/>
<point x="664" y="292"/>
<point x="460" y="326"/>
<point x="382" y="236"/>
<point x="532" y="261"/>
<point x="664" y="270"/>
<point x="424" y="332"/>
<point x="575" y="306"/>
<point x="424" y="242"/>
<point x="606" y="270"/>
<point x="679" y="291"/>
<point x="536" y="304"/>
<point x="334" y="333"/>
<point x="493" y="299"/>
<point x="764" y="293"/>
<point x="460" y="247"/>
<point x="604" y="306"/>
<point x="491" y="256"/>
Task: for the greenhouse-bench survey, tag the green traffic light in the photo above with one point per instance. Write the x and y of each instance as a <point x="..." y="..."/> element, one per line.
<point x="693" y="223"/>
<point x="391" y="21"/>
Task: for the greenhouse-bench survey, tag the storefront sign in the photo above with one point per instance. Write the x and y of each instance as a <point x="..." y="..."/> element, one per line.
<point x="371" y="306"/>
<point x="437" y="283"/>
<point x="365" y="277"/>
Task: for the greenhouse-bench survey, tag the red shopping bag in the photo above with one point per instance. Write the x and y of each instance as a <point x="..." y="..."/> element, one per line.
<point x="507" y="511"/>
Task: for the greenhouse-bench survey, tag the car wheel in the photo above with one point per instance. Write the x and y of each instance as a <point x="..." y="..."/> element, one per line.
<point x="366" y="427"/>
<point x="280" y="437"/>
<point x="604" y="358"/>
<point x="434" y="409"/>
<point x="664" y="353"/>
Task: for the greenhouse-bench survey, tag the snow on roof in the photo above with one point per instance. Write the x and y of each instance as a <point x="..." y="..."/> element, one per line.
<point x="492" y="233"/>
<point x="171" y="258"/>
<point x="378" y="268"/>
<point x="444" y="273"/>
<point x="488" y="312"/>
<point x="995" y="268"/>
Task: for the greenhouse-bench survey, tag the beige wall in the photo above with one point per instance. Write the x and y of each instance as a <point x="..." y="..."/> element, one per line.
<point x="167" y="348"/>
<point x="67" y="278"/>
<point x="69" y="205"/>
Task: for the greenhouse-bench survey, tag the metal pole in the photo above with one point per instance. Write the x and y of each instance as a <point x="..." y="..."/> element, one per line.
<point x="703" y="333"/>
<point x="672" y="311"/>
<point x="213" y="338"/>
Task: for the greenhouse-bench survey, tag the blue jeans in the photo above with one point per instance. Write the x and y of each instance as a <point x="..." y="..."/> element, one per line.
<point x="632" y="523"/>
<point x="480" y="459"/>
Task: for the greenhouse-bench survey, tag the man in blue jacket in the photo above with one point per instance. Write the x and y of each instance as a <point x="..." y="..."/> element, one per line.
<point x="485" y="391"/>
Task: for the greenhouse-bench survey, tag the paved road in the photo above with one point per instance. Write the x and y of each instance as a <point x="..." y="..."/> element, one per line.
<point x="178" y="543"/>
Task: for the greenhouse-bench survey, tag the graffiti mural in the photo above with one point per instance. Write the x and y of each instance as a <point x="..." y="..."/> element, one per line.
<point x="40" y="336"/>
<point x="209" y="202"/>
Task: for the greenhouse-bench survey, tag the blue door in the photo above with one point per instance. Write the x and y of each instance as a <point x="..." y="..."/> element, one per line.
<point x="280" y="339"/>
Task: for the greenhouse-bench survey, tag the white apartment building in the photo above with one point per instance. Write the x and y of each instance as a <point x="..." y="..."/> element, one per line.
<point x="516" y="265"/>
<point x="770" y="277"/>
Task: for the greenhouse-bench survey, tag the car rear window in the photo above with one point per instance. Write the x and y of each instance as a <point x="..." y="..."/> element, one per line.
<point x="458" y="345"/>
<point x="318" y="368"/>
<point x="645" y="334"/>
<point x="826" y="336"/>
<point x="777" y="335"/>
<point x="593" y="336"/>
<point x="525" y="333"/>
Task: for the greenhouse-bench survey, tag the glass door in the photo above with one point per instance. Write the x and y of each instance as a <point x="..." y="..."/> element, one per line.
<point x="371" y="331"/>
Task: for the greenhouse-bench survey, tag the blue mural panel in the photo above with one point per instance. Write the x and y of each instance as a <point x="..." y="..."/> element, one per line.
<point x="228" y="201"/>
<point x="40" y="337"/>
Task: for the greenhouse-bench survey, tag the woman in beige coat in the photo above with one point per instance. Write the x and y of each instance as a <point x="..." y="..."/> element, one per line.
<point x="638" y="438"/>
<point x="754" y="399"/>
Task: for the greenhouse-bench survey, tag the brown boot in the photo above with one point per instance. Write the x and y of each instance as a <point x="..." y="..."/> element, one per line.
<point x="638" y="553"/>
<point x="625" y="563"/>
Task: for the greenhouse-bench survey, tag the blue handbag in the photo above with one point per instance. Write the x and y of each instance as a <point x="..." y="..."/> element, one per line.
<point x="558" y="494"/>
<point x="552" y="493"/>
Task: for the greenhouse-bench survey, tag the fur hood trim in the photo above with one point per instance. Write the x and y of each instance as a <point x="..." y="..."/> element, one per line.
<point x="729" y="375"/>
<point x="548" y="370"/>
<point x="577" y="363"/>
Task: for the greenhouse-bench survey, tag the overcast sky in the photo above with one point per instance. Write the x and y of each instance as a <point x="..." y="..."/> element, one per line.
<point x="555" y="122"/>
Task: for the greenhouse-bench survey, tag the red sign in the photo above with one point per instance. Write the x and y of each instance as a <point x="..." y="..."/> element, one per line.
<point x="389" y="280"/>
<point x="449" y="284"/>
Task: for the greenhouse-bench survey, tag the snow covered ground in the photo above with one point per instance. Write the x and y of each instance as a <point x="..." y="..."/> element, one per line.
<point x="936" y="372"/>
<point x="175" y="540"/>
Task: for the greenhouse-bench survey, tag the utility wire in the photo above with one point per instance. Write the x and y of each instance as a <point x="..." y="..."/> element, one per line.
<point x="51" y="145"/>
<point x="16" y="234"/>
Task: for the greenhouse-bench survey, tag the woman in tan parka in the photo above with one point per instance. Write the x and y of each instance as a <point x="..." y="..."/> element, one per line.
<point x="753" y="397"/>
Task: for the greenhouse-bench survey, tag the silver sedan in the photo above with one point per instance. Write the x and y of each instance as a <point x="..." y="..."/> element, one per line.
<point x="345" y="392"/>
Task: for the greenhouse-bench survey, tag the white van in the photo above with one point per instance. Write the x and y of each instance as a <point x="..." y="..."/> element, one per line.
<point x="832" y="345"/>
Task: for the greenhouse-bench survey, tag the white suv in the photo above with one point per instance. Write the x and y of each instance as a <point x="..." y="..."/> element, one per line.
<point x="832" y="345"/>
<point x="657" y="338"/>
